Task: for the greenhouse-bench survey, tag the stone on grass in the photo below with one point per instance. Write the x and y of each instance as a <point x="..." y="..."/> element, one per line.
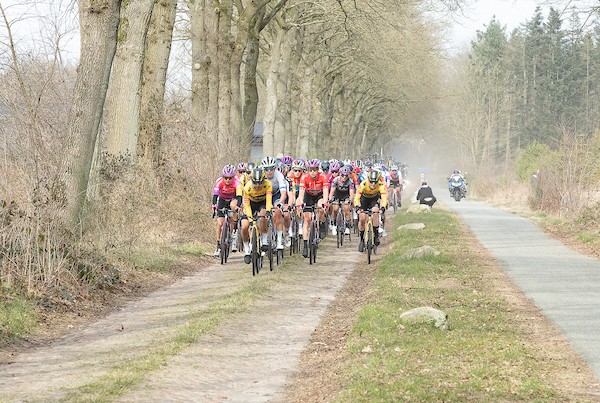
<point x="416" y="225"/>
<point x="426" y="314"/>
<point x="420" y="252"/>
<point x="418" y="209"/>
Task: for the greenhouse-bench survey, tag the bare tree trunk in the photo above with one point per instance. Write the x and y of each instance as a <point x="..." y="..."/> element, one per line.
<point x="305" y="113"/>
<point x="123" y="101"/>
<point x="271" y="100"/>
<point x="200" y="62"/>
<point x="250" y="89"/>
<point x="282" y="117"/>
<point x="98" y="21"/>
<point x="156" y="61"/>
<point x="211" y="21"/>
<point x="225" y="53"/>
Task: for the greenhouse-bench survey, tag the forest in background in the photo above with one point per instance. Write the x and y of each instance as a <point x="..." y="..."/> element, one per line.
<point x="105" y="162"/>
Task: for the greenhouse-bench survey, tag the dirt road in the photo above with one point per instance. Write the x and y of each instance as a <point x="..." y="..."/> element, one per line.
<point x="248" y="358"/>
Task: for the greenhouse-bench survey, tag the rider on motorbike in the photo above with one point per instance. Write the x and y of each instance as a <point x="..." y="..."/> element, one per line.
<point x="457" y="177"/>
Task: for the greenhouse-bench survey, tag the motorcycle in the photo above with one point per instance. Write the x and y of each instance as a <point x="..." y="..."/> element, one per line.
<point x="457" y="187"/>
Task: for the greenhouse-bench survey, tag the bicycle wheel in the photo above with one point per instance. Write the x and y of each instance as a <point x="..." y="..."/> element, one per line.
<point x="340" y="227"/>
<point x="369" y="236"/>
<point x="312" y="237"/>
<point x="271" y="243"/>
<point x="255" y="252"/>
<point x="224" y="241"/>
<point x="395" y="200"/>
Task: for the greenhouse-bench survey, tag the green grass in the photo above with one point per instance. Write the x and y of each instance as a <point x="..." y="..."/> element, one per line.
<point x="17" y="317"/>
<point x="481" y="358"/>
<point x="589" y="237"/>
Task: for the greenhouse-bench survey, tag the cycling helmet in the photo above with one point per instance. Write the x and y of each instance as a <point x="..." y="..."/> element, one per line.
<point x="268" y="162"/>
<point x="368" y="164"/>
<point x="298" y="164"/>
<point x="394" y="168"/>
<point x="250" y="167"/>
<point x="228" y="170"/>
<point x="334" y="166"/>
<point x="242" y="167"/>
<point x="345" y="170"/>
<point x="374" y="176"/>
<point x="258" y="175"/>
<point x="325" y="166"/>
<point x="287" y="160"/>
<point x="359" y="164"/>
<point x="313" y="163"/>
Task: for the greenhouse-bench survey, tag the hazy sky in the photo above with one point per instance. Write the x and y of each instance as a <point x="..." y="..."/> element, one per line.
<point x="510" y="13"/>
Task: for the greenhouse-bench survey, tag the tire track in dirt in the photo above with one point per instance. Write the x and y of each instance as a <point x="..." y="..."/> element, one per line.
<point x="247" y="358"/>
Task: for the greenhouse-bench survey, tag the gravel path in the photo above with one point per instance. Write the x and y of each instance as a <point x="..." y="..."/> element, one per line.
<point x="248" y="358"/>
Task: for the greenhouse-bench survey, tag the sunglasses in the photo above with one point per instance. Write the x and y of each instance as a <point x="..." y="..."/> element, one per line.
<point x="297" y="170"/>
<point x="269" y="168"/>
<point x="344" y="174"/>
<point x="227" y="178"/>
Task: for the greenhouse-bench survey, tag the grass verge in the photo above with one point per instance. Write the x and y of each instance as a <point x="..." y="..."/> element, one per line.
<point x="17" y="317"/>
<point x="483" y="357"/>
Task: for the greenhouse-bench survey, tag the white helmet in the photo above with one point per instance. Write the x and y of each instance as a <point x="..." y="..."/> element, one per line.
<point x="268" y="162"/>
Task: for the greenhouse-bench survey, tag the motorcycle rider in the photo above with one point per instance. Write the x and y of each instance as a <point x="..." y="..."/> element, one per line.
<point x="458" y="177"/>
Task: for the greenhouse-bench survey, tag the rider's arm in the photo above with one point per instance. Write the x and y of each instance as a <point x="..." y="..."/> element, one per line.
<point x="383" y="194"/>
<point x="326" y="192"/>
<point x="247" y="208"/>
<point x="269" y="197"/>
<point x="357" y="196"/>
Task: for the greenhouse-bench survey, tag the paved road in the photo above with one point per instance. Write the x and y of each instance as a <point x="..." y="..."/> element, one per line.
<point x="562" y="282"/>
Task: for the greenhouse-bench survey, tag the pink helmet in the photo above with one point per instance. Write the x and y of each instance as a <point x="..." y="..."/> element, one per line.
<point x="228" y="170"/>
<point x="334" y="166"/>
<point x="345" y="170"/>
<point x="287" y="160"/>
<point x="313" y="163"/>
<point x="242" y="167"/>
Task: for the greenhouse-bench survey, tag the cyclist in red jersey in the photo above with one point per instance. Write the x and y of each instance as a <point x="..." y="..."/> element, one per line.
<point x="227" y="193"/>
<point x="314" y="190"/>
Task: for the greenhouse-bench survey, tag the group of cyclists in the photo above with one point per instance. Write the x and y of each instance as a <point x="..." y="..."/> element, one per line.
<point x="279" y="187"/>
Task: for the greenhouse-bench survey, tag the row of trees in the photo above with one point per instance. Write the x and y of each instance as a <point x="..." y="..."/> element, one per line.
<point x="535" y="84"/>
<point x="325" y="78"/>
<point x="337" y="77"/>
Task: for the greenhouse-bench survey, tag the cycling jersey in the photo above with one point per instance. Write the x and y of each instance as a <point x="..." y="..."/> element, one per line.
<point x="341" y="189"/>
<point x="295" y="181"/>
<point x="227" y="191"/>
<point x="278" y="183"/>
<point x="365" y="191"/>
<point x="263" y="193"/>
<point x="314" y="187"/>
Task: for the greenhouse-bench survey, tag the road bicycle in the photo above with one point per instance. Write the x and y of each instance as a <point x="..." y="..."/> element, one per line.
<point x="340" y="224"/>
<point x="370" y="246"/>
<point x="225" y="239"/>
<point x="313" y="233"/>
<point x="271" y="241"/>
<point x="295" y="234"/>
<point x="395" y="199"/>
<point x="255" y="245"/>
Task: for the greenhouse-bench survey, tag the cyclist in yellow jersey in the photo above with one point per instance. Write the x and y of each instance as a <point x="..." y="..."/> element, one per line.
<point x="257" y="198"/>
<point x="242" y="173"/>
<point x="371" y="194"/>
